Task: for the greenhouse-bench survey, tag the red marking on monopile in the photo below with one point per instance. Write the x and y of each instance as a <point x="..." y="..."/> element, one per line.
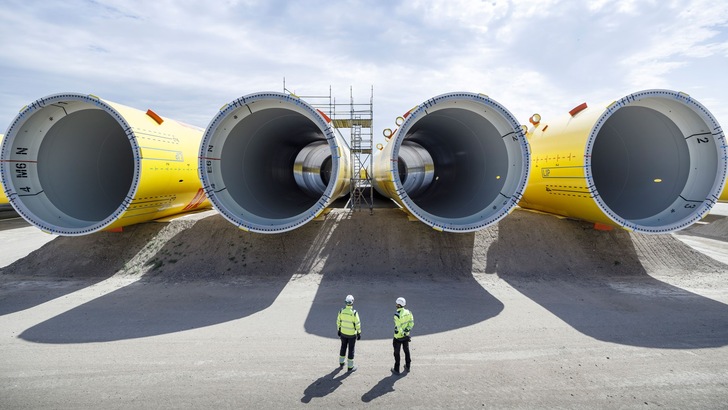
<point x="602" y="227"/>
<point x="118" y="229"/>
<point x="326" y="117"/>
<point x="155" y="117"/>
<point x="410" y="111"/>
<point x="197" y="200"/>
<point x="579" y="108"/>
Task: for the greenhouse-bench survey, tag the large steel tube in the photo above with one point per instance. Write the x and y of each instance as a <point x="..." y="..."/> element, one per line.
<point x="73" y="164"/>
<point x="458" y="162"/>
<point x="653" y="162"/>
<point x="270" y="162"/>
<point x="4" y="201"/>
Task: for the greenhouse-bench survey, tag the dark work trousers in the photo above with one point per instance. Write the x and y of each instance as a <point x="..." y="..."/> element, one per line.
<point x="396" y="343"/>
<point x="350" y="342"/>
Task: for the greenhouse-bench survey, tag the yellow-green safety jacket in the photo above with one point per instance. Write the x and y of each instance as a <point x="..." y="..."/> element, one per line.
<point x="348" y="321"/>
<point x="404" y="321"/>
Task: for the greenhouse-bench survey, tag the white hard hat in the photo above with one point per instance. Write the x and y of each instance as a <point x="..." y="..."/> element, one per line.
<point x="349" y="299"/>
<point x="401" y="301"/>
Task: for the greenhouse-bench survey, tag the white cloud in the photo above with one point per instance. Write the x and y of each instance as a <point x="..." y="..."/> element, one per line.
<point x="191" y="57"/>
<point x="459" y="14"/>
<point x="694" y="34"/>
<point x="618" y="6"/>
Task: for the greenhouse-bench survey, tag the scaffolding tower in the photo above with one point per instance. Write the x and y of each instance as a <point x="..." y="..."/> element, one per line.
<point x="361" y="118"/>
<point x="356" y="120"/>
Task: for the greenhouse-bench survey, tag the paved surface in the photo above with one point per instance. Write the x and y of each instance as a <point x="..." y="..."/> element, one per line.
<point x="536" y="313"/>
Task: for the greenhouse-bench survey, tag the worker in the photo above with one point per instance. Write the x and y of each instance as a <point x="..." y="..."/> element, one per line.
<point x="349" y="331"/>
<point x="404" y="321"/>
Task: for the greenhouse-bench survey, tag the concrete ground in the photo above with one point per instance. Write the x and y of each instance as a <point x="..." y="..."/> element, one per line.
<point x="537" y="312"/>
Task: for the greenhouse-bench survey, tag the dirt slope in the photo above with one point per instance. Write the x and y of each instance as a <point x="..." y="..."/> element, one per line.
<point x="205" y="246"/>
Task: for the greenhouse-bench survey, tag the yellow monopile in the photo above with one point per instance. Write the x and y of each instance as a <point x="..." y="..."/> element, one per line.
<point x="458" y="162"/>
<point x="653" y="161"/>
<point x="3" y="198"/>
<point x="73" y="164"/>
<point x="270" y="162"/>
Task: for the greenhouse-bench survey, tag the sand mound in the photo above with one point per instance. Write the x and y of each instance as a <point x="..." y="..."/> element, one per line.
<point x="524" y="245"/>
<point x="713" y="226"/>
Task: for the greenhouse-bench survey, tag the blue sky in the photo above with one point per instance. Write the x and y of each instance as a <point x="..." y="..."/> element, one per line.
<point x="185" y="59"/>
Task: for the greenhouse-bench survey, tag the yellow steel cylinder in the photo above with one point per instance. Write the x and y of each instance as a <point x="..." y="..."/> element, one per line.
<point x="270" y="162"/>
<point x="3" y="198"/>
<point x="73" y="164"/>
<point x="458" y="162"/>
<point x="654" y="161"/>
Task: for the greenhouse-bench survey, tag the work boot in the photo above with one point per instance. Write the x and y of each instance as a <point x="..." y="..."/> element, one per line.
<point x="395" y="371"/>
<point x="341" y="365"/>
<point x="407" y="368"/>
<point x="352" y="369"/>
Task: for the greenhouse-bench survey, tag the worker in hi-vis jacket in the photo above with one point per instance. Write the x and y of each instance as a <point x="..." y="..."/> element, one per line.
<point x="349" y="331"/>
<point x="404" y="321"/>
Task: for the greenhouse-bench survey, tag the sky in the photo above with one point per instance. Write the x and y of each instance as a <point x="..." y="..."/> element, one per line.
<point x="186" y="59"/>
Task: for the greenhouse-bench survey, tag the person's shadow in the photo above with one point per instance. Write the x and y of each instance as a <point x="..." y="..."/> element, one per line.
<point x="324" y="385"/>
<point x="386" y="385"/>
